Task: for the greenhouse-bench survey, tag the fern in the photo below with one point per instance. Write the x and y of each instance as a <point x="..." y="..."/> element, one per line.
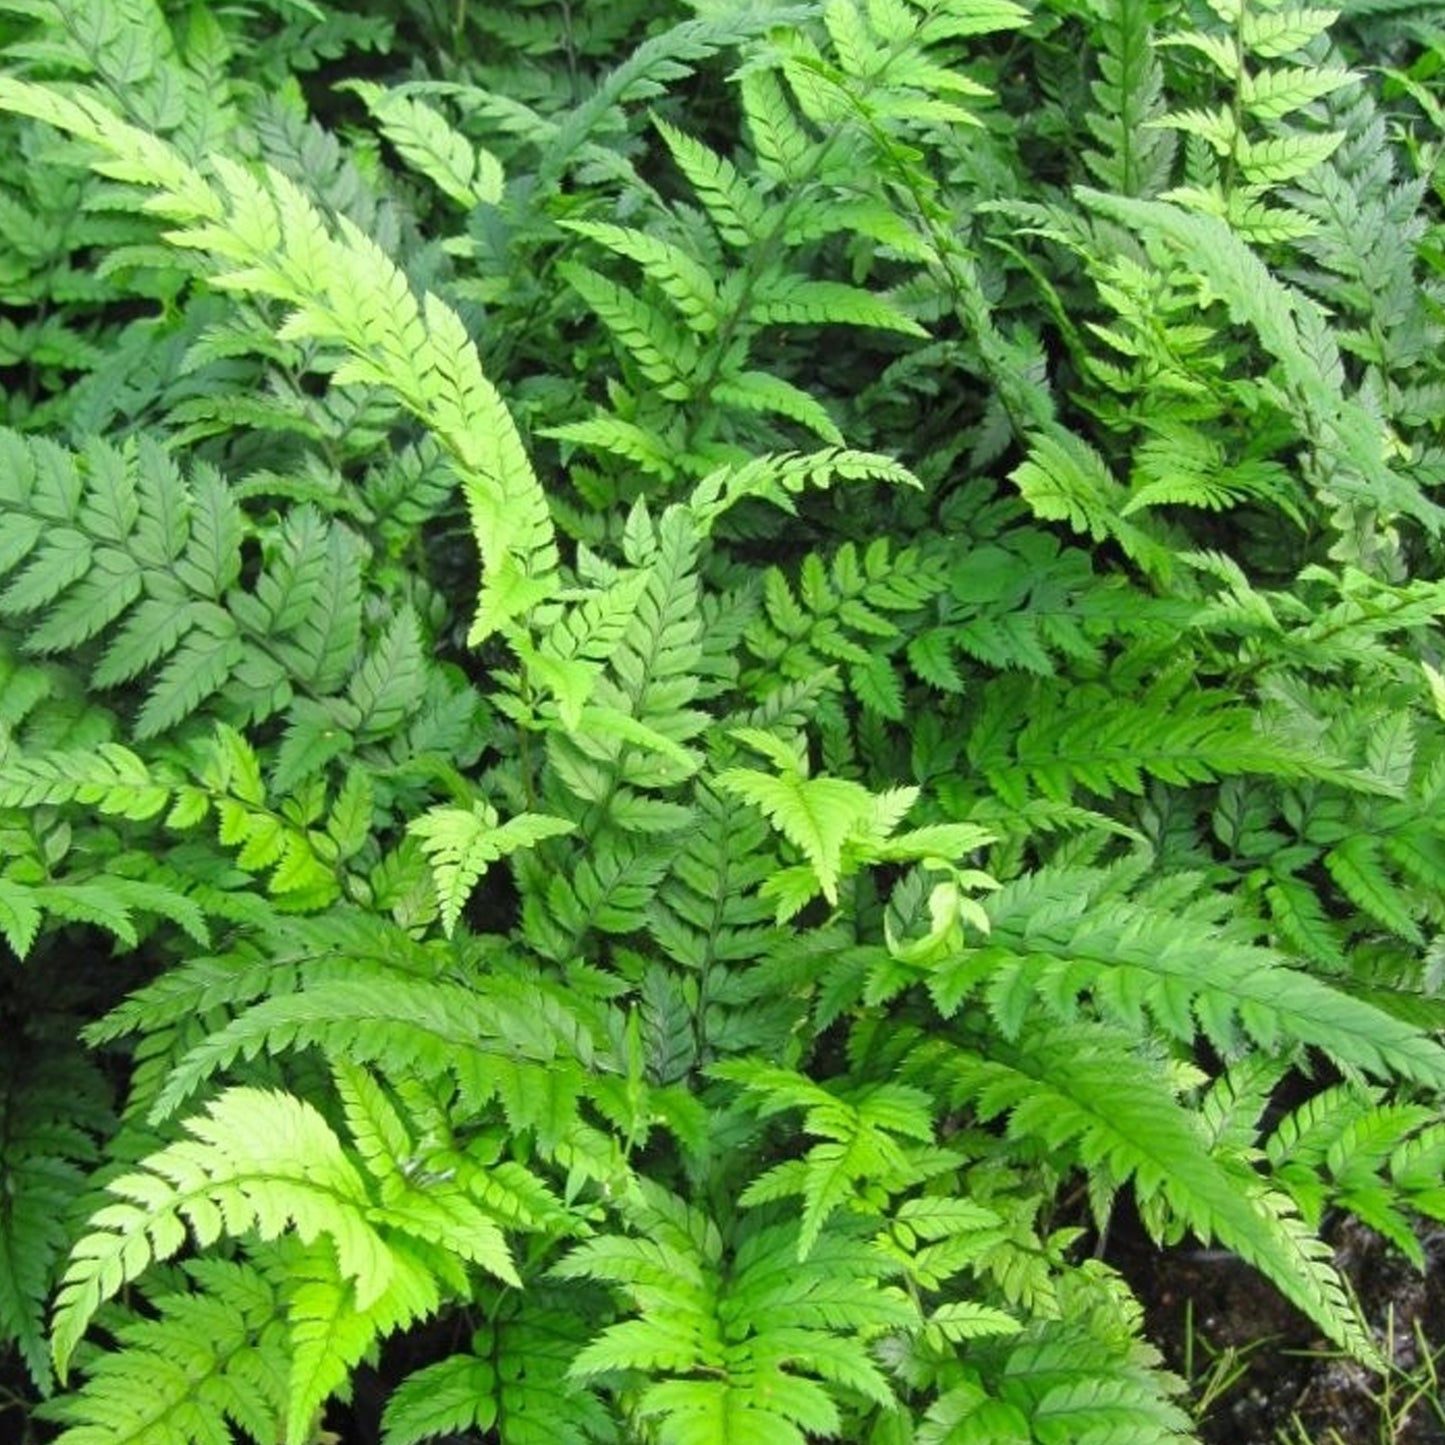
<point x="947" y="657"/>
<point x="166" y="557"/>
<point x="860" y="1141"/>
<point x="1055" y="1086"/>
<point x="719" y="1382"/>
<point x="241" y="1170"/>
<point x="53" y="1107"/>
<point x="843" y="613"/>
<point x="1241" y="987"/>
<point x="1135" y="159"/>
<point x="514" y="1381"/>
<point x="267" y="238"/>
<point x="1348" y="1147"/>
<point x="465" y="174"/>
<point x="462" y="843"/>
<point x="232" y="1367"/>
<point x="1292" y="331"/>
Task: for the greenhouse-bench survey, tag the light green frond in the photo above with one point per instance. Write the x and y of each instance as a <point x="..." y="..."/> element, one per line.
<point x="255" y="1160"/>
<point x="462" y="842"/>
<point x="731" y="203"/>
<point x="426" y="140"/>
<point x="212" y="1358"/>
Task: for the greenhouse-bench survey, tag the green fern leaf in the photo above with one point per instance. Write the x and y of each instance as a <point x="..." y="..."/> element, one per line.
<point x="856" y="1129"/>
<point x="784" y="149"/>
<point x="152" y="631"/>
<point x="732" y="205"/>
<point x="1061" y="1086"/>
<point x="1203" y="978"/>
<point x="1287" y="324"/>
<point x="1295" y="910"/>
<point x="931" y="657"/>
<point x="1276" y="159"/>
<point x="61" y="560"/>
<point x="1134" y="160"/>
<point x="1275" y="92"/>
<point x="256" y="1160"/>
<point x="778" y="478"/>
<point x="98" y="904"/>
<point x="512" y="1037"/>
<point x="332" y="1327"/>
<point x="197" y="670"/>
<point x="462" y="842"/>
<point x="756" y="1368"/>
<point x="19" y="916"/>
<point x="877" y="687"/>
<point x="667" y="354"/>
<point x="1356" y="865"/>
<point x="112" y="583"/>
<point x="110" y="777"/>
<point x="621" y="438"/>
<point x="453" y="1395"/>
<point x="760" y="391"/>
<point x="425" y="139"/>
<point x="1272" y="34"/>
<point x="209" y="1359"/>
<point x="267" y="238"/>
<point x="815" y="814"/>
<point x="50" y="1107"/>
<point x="1118" y="1410"/>
<point x="387" y="685"/>
<point x="1065" y="479"/>
<point x="314" y="736"/>
<point x="212" y="560"/>
<point x="685" y="281"/>
<point x="381" y="1136"/>
<point x="796" y="300"/>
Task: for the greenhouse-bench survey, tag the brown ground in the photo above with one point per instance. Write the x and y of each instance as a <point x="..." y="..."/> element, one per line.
<point x="1293" y="1390"/>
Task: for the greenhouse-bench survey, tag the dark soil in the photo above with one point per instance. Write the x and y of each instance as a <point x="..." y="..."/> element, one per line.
<point x="1209" y="1313"/>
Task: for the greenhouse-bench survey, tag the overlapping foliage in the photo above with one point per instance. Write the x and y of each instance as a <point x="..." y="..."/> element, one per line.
<point x="681" y="684"/>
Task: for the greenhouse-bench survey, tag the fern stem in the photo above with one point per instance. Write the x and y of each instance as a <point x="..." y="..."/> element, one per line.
<point x="1236" y="105"/>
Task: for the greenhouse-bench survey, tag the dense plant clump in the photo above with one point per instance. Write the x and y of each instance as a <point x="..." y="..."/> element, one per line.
<point x="684" y="682"/>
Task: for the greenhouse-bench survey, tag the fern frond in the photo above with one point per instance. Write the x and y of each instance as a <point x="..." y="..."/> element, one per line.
<point x="1177" y="736"/>
<point x="255" y="1160"/>
<point x="778" y="478"/>
<point x="761" y="392"/>
<point x="167" y="557"/>
<point x="682" y="278"/>
<point x="1049" y="942"/>
<point x="755" y="1374"/>
<point x="211" y="1357"/>
<point x="1290" y="328"/>
<point x="816" y="815"/>
<point x="110" y="778"/>
<point x="1059" y="1084"/>
<point x="267" y="238"/>
<point x="405" y="1027"/>
<point x="426" y="140"/>
<point x="667" y="354"/>
<point x="51" y="1106"/>
<point x="461" y="843"/>
<point x="1135" y="159"/>
<point x="857" y="1127"/>
<point x="1347" y="1146"/>
<point x="797" y="300"/>
<point x="454" y="1394"/>
<point x="516" y="1380"/>
<point x="1075" y="1375"/>
<point x="332" y="1326"/>
<point x="1065" y="479"/>
<point x="733" y="206"/>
